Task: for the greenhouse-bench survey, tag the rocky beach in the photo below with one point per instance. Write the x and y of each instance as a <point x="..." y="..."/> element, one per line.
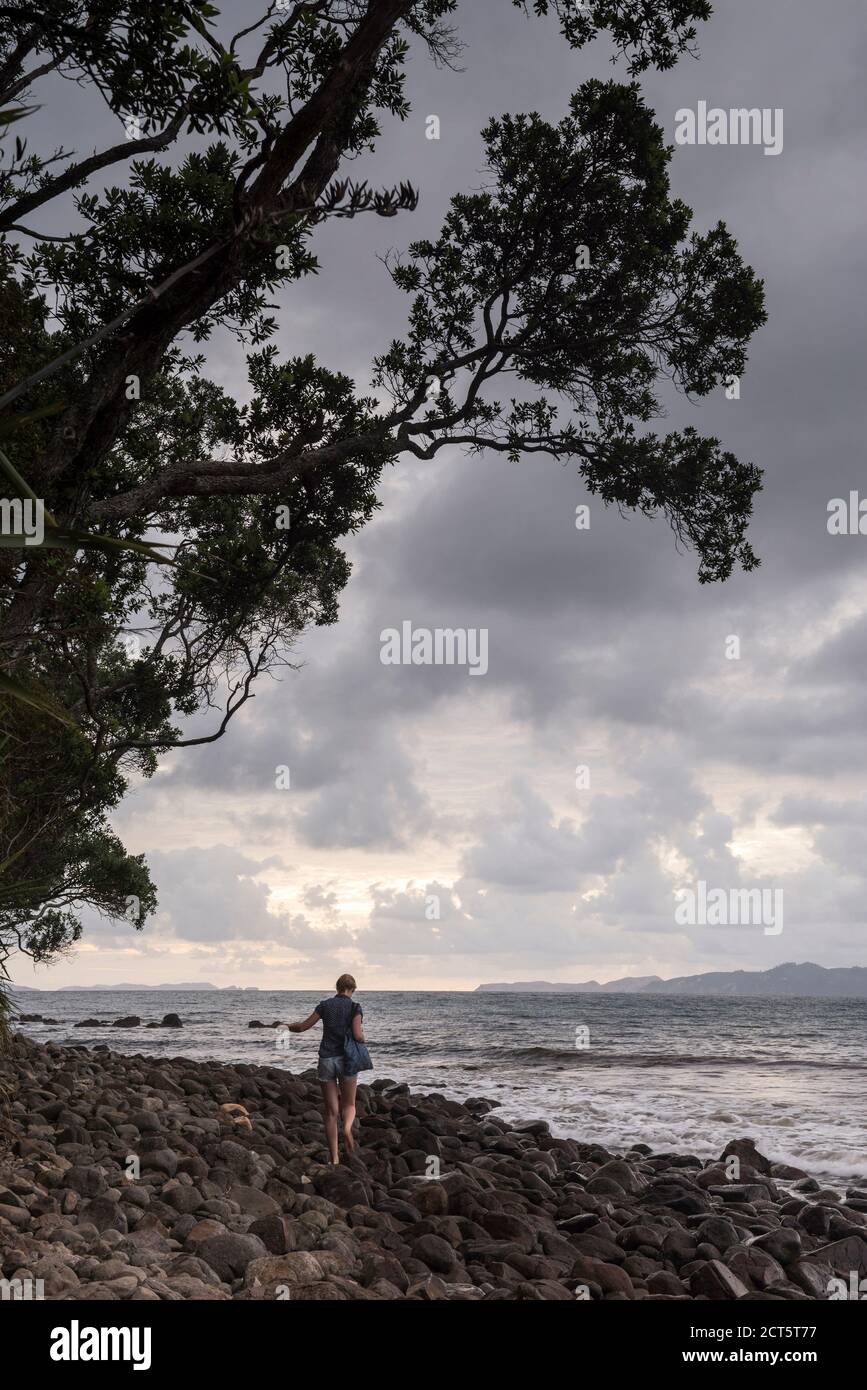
<point x="142" y="1179"/>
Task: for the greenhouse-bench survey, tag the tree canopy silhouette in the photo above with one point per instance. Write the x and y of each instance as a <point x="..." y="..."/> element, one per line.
<point x="189" y="537"/>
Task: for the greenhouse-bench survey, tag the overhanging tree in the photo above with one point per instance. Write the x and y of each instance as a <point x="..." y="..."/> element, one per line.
<point x="518" y="341"/>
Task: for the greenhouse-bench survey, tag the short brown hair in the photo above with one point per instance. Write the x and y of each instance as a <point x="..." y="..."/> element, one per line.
<point x="345" y="982"/>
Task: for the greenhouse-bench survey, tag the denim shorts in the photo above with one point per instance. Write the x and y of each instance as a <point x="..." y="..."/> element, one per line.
<point x="331" y="1069"/>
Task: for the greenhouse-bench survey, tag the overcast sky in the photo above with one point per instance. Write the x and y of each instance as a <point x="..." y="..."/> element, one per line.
<point x="410" y="784"/>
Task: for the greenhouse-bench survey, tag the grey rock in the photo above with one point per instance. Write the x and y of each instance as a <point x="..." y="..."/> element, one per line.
<point x="230" y="1255"/>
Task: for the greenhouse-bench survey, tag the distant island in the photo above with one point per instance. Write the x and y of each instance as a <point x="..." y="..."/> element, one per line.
<point x="789" y="980"/>
<point x="630" y="984"/>
<point x="128" y="985"/>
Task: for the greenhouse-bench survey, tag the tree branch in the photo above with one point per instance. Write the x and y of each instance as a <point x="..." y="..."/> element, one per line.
<point x="76" y="173"/>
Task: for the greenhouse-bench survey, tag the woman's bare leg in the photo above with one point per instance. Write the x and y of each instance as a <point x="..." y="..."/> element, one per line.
<point x="329" y="1105"/>
<point x="347" y="1105"/>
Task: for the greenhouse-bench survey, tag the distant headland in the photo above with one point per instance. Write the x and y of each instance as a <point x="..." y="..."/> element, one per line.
<point x="790" y="980"/>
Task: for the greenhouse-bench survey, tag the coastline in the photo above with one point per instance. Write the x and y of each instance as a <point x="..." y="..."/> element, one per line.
<point x="681" y="1077"/>
<point x="136" y="1178"/>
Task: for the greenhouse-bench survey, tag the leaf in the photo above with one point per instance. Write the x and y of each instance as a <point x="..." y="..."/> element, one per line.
<point x="146" y="548"/>
<point x="24" y="489"/>
<point x="60" y="539"/>
<point x="37" y="699"/>
<point x="19" y="540"/>
<point x="16" y="113"/>
<point x="15" y="422"/>
<point x="90" y="538"/>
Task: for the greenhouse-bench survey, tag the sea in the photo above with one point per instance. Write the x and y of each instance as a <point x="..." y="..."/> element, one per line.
<point x="684" y="1075"/>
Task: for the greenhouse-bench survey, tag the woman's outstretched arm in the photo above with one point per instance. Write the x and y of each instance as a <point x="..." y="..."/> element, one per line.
<point x="305" y="1024"/>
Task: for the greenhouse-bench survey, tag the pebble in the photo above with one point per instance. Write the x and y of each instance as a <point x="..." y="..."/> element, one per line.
<point x="133" y="1178"/>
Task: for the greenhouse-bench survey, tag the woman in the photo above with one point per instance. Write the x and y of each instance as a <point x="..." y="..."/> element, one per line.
<point x="337" y="1016"/>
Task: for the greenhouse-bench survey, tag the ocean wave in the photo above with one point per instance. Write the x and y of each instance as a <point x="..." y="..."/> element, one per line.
<point x="213" y="1035"/>
<point x="587" y="1057"/>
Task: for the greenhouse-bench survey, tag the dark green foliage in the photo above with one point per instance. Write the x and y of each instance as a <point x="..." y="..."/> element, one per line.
<point x="653" y="33"/>
<point x="504" y="290"/>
